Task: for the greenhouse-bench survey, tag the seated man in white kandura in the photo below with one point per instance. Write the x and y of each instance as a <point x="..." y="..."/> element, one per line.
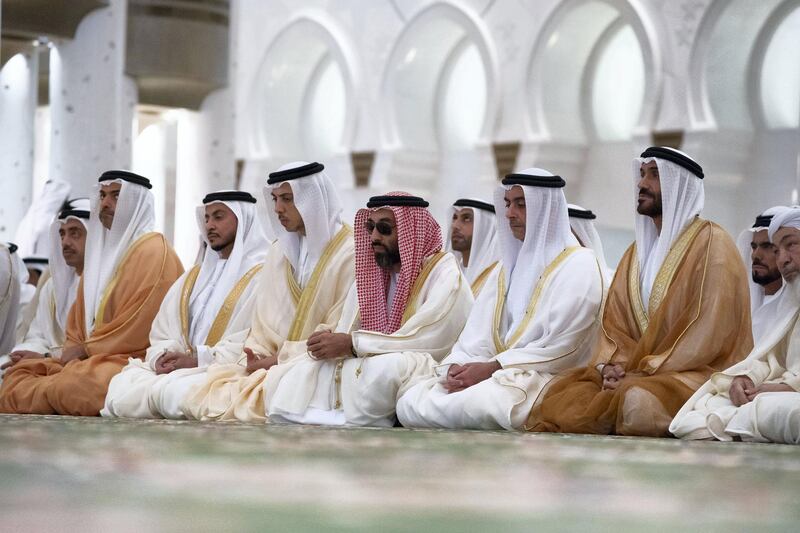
<point x="306" y="276"/>
<point x="758" y="399"/>
<point x="537" y="315"/>
<point x="405" y="311"/>
<point x="46" y="336"/>
<point x="205" y="316"/>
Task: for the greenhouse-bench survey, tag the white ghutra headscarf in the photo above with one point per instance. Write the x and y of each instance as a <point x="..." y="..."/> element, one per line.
<point x="105" y="248"/>
<point x="582" y="223"/>
<point x="485" y="249"/>
<point x="65" y="278"/>
<point x="547" y="234"/>
<point x="249" y="250"/>
<point x="319" y="205"/>
<point x="682" y="199"/>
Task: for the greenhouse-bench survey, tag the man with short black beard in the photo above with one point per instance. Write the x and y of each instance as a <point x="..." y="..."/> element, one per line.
<point x="57" y="294"/>
<point x="759" y="398"/>
<point x="676" y="312"/>
<point x="760" y="258"/>
<point x="128" y="269"/>
<point x="205" y="316"/>
<point x="406" y="309"/>
<point x="473" y="240"/>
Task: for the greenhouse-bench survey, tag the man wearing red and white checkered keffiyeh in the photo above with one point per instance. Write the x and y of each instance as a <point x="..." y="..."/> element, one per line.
<point x="407" y="307"/>
<point x="417" y="236"/>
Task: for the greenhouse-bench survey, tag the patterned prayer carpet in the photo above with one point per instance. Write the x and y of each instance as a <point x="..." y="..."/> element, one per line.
<point x="90" y="474"/>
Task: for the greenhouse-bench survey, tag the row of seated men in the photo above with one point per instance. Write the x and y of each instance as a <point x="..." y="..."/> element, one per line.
<point x="520" y="325"/>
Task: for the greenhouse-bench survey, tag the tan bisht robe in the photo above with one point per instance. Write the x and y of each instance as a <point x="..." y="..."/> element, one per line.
<point x="285" y="316"/>
<point x="697" y="322"/>
<point x="130" y="302"/>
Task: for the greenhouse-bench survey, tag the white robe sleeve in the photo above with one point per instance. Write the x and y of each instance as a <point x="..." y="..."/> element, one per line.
<point x="166" y="333"/>
<point x="443" y="307"/>
<point x="39" y="338"/>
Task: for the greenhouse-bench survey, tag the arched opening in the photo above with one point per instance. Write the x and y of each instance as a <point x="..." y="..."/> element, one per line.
<point x="780" y="75"/>
<point x="301" y="99"/>
<point x="439" y="82"/>
<point x="591" y="69"/>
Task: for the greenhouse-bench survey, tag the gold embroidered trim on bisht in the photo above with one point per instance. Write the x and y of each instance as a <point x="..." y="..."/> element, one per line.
<point x="530" y="311"/>
<point x="479" y="282"/>
<point x="309" y="294"/>
<point x="186" y="292"/>
<point x="101" y="309"/>
<point x="226" y="311"/>
<point x="427" y="268"/>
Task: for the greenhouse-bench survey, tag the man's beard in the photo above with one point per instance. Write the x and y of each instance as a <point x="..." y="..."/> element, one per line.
<point x="388" y="258"/>
<point x="220" y="246"/>
<point x="653" y="209"/>
<point x="766" y="279"/>
<point x="462" y="244"/>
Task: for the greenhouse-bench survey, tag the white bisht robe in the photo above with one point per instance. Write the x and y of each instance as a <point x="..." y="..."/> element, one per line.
<point x="771" y="416"/>
<point x="304" y="284"/>
<point x="56" y="292"/>
<point x="536" y="316"/>
<point x="209" y="308"/>
<point x="285" y="315"/>
<point x="363" y="390"/>
<point x="44" y="333"/>
<point x="138" y="392"/>
<point x="564" y="312"/>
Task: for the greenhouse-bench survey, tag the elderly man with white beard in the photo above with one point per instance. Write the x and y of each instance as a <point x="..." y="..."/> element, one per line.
<point x="759" y="398"/>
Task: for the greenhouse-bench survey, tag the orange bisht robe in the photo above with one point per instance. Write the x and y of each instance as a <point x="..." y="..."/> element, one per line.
<point x="697" y="322"/>
<point x="122" y="330"/>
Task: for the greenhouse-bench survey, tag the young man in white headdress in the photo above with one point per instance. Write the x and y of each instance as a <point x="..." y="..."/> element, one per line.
<point x="57" y="294"/>
<point x="472" y="238"/>
<point x="409" y="300"/>
<point x="128" y="269"/>
<point x="582" y="223"/>
<point x="536" y="315"/>
<point x="676" y="311"/>
<point x="9" y="297"/>
<point x="306" y="275"/>
<point x="759" y="398"/>
<point x="760" y="258"/>
<point x="205" y="316"/>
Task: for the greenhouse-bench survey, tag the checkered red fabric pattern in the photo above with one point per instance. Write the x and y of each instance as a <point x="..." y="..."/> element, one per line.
<point x="418" y="236"/>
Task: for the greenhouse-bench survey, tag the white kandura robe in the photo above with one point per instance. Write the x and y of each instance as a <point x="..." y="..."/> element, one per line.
<point x="45" y="333"/>
<point x="138" y="392"/>
<point x="771" y="416"/>
<point x="305" y="390"/>
<point x="9" y="301"/>
<point x="280" y="325"/>
<point x="558" y="337"/>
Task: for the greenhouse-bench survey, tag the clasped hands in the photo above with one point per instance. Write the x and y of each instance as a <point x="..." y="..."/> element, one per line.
<point x="743" y="390"/>
<point x="171" y="361"/>
<point x="460" y="377"/>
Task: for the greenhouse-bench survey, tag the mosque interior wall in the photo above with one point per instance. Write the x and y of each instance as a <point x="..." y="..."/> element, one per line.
<point x="426" y="89"/>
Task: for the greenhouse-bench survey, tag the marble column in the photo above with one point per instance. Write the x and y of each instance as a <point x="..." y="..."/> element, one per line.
<point x="18" y="93"/>
<point x="91" y="100"/>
